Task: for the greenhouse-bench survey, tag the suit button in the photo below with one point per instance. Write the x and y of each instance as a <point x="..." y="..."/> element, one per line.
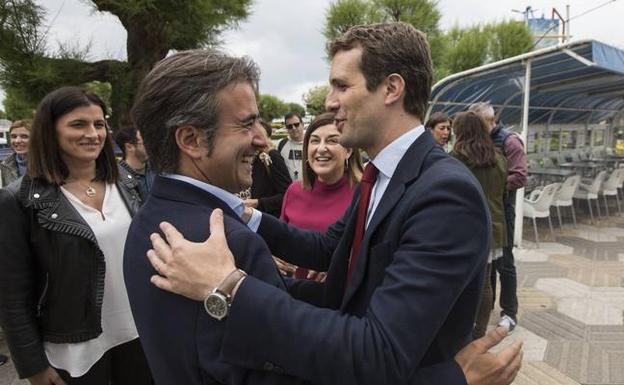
<point x="268" y="366"/>
<point x="36" y="196"/>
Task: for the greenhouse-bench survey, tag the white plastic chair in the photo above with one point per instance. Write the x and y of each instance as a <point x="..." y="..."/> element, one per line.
<point x="540" y="207"/>
<point x="590" y="191"/>
<point x="621" y="181"/>
<point x="563" y="196"/>
<point x="610" y="187"/>
<point x="533" y="163"/>
<point x="548" y="163"/>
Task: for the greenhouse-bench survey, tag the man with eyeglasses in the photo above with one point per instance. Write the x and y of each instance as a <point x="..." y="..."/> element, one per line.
<point x="291" y="148"/>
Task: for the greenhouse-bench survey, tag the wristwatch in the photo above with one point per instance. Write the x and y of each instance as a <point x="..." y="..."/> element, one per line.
<point x="218" y="302"/>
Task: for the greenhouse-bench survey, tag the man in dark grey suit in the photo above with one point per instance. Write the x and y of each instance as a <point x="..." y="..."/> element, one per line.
<point x="405" y="262"/>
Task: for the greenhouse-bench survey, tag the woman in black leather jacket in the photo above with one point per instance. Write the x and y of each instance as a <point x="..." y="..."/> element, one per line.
<point x="63" y="304"/>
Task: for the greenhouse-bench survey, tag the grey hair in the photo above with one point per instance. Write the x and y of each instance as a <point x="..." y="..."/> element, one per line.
<point x="181" y="90"/>
<point x="482" y="109"/>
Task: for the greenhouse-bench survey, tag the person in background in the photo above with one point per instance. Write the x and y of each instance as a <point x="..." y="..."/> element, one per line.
<point x="270" y="178"/>
<point x="330" y="174"/>
<point x="291" y="148"/>
<point x="14" y="166"/>
<point x="475" y="149"/>
<point x="63" y="304"/>
<point x="510" y="144"/>
<point x="135" y="157"/>
<point x="439" y="124"/>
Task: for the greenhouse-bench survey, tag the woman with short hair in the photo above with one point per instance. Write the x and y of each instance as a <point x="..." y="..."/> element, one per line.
<point x="63" y="303"/>
<point x="439" y="124"/>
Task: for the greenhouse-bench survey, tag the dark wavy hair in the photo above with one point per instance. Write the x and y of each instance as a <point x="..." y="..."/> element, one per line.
<point x="44" y="154"/>
<point x="472" y="142"/>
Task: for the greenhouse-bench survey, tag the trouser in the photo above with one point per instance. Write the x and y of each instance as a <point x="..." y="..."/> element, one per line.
<point x="485" y="306"/>
<point x="505" y="265"/>
<point x="122" y="365"/>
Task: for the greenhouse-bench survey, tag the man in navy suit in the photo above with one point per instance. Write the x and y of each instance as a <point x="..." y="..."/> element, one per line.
<point x="198" y="116"/>
<point x="401" y="309"/>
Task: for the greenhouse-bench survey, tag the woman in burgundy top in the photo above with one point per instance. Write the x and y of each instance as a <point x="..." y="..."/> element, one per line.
<point x="330" y="174"/>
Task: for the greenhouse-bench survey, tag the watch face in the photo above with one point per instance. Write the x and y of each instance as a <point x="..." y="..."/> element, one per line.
<point x="216" y="306"/>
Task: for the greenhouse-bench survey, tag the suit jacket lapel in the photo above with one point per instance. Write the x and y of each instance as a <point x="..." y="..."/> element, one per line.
<point x="407" y="171"/>
<point x="335" y="283"/>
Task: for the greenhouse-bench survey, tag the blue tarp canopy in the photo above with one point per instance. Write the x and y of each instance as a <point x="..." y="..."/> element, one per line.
<point x="578" y="82"/>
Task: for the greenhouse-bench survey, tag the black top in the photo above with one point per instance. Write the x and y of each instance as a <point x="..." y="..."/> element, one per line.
<point x="270" y="183"/>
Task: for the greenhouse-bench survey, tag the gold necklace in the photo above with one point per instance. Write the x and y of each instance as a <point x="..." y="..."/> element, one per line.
<point x="89" y="191"/>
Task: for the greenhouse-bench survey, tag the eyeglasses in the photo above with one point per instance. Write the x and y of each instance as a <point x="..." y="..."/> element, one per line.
<point x="293" y="125"/>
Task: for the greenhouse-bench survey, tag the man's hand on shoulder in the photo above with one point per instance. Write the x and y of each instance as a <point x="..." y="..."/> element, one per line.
<point x="484" y="368"/>
<point x="188" y="268"/>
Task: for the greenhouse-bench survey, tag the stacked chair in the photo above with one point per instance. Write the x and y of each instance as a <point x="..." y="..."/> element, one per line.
<point x="590" y="191"/>
<point x="610" y="188"/>
<point x="538" y="206"/>
<point x="564" y="194"/>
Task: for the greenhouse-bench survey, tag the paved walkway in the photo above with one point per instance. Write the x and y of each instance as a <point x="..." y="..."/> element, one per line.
<point x="571" y="293"/>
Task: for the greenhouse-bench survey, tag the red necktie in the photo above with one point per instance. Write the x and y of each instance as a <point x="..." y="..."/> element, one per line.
<point x="366" y="186"/>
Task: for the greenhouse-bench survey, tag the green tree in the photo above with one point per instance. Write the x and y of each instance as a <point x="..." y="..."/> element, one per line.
<point x="271" y="107"/>
<point x="15" y="105"/>
<point x="314" y="99"/>
<point x="101" y="89"/>
<point x="456" y="50"/>
<point x="465" y="48"/>
<point x="423" y="14"/>
<point x="470" y="47"/>
<point x="344" y="14"/>
<point x="154" y="28"/>
<point x="296" y="108"/>
<point x="508" y="39"/>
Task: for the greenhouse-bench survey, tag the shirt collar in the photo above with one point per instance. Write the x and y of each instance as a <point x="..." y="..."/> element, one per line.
<point x="389" y="157"/>
<point x="234" y="202"/>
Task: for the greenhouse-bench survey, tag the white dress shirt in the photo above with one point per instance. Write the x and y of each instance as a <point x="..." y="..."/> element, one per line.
<point x="386" y="162"/>
<point x="233" y="202"/>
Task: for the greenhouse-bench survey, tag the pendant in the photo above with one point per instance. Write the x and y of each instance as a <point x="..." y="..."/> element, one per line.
<point x="90" y="191"/>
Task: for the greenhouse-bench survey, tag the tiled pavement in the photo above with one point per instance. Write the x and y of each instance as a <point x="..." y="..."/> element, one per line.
<point x="571" y="294"/>
<point x="571" y="318"/>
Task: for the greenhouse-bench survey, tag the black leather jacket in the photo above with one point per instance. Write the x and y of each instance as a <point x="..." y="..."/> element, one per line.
<point x="51" y="270"/>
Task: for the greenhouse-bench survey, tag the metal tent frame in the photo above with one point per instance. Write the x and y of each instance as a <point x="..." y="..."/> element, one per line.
<point x="576" y="82"/>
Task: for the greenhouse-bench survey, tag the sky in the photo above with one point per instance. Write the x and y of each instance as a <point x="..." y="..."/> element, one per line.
<point x="285" y="36"/>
